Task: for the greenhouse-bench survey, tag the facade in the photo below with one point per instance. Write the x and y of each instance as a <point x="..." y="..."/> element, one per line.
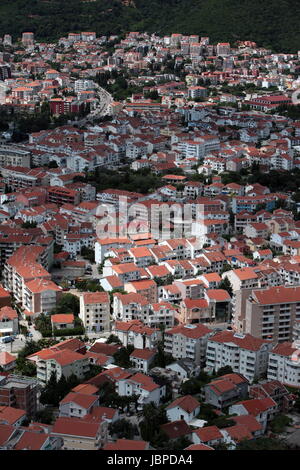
<point x="271" y="313"/>
<point x="187" y="341"/>
<point x="245" y="354"/>
<point x="95" y="311"/>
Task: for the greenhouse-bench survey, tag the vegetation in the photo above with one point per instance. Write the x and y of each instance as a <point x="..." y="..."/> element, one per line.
<point x="113" y="339"/>
<point x="123" y="428"/>
<point x="68" y="303"/>
<point x="279" y="423"/>
<point x="262" y="443"/>
<point x="153" y="417"/>
<point x="273" y="23"/>
<point x="122" y="357"/>
<point x="55" y="391"/>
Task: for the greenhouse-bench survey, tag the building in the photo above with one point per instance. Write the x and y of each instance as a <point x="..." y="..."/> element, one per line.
<point x="187" y="341"/>
<point x="245" y="354"/>
<point x="284" y="364"/>
<point x="19" y="392"/>
<point x="63" y="362"/>
<point x="271" y="313"/>
<point x="143" y="386"/>
<point x="186" y="408"/>
<point x="226" y="390"/>
<point x="95" y="311"/>
<point x="80" y="434"/>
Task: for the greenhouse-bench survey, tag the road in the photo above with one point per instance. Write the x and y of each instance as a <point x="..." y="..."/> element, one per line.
<point x="105" y="99"/>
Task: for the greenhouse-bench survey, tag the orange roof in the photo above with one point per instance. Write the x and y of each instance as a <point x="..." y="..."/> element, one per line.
<point x="96" y="297"/>
<point x="62" y="318"/>
<point x="126" y="444"/>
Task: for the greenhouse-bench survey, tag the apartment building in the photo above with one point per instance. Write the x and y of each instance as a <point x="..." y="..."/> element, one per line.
<point x="245" y="354"/>
<point x="142" y="385"/>
<point x="19" y="392"/>
<point x="271" y="313"/>
<point x="242" y="278"/>
<point x="14" y="156"/>
<point x="135" y="333"/>
<point x="25" y="275"/>
<point x="63" y="362"/>
<point x="187" y="341"/>
<point x="146" y="288"/>
<point x="95" y="311"/>
<point x="284" y="364"/>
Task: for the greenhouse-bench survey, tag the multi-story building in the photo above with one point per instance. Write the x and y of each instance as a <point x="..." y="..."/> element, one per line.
<point x="95" y="311"/>
<point x="63" y="362"/>
<point x="25" y="275"/>
<point x="271" y="313"/>
<point x="284" y="364"/>
<point x="245" y="354"/>
<point x="135" y="333"/>
<point x="19" y="392"/>
<point x="187" y="341"/>
<point x="11" y="155"/>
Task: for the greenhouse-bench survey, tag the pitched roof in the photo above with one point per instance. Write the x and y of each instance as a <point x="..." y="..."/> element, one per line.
<point x="126" y="444"/>
<point x="75" y="427"/>
<point x="176" y="429"/>
<point x="208" y="433"/>
<point x="9" y="415"/>
<point x="187" y="403"/>
<point x="81" y="399"/>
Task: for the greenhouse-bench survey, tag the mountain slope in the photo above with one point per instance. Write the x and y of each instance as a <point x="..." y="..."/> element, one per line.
<point x="273" y="23"/>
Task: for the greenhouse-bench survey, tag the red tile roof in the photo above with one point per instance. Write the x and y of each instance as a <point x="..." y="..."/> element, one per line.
<point x="127" y="444"/>
<point x="76" y="427"/>
<point x="208" y="433"/>
<point x="187" y="403"/>
<point x="9" y="415"/>
<point x="81" y="399"/>
<point x="176" y="429"/>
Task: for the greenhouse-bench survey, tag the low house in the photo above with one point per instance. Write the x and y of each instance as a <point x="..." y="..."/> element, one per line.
<point x="127" y="444"/>
<point x="7" y="361"/>
<point x="9" y="323"/>
<point x="77" y="405"/>
<point x="185" y="368"/>
<point x="177" y="429"/>
<point x="142" y="385"/>
<point x="12" y="416"/>
<point x="61" y="321"/>
<point x="209" y="435"/>
<point x="183" y="408"/>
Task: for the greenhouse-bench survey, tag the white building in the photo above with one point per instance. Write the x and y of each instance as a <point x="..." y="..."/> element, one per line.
<point x="245" y="354"/>
<point x="95" y="311"/>
<point x="284" y="364"/>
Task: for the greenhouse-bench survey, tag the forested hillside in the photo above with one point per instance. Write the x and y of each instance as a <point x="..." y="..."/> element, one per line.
<point x="272" y="23"/>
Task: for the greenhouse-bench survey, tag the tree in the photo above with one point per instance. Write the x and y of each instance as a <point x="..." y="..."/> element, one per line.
<point x="113" y="339"/>
<point x="122" y="357"/>
<point x="68" y="303"/>
<point x="154" y="416"/>
<point x="262" y="443"/>
<point x="123" y="428"/>
<point x="279" y="423"/>
<point x="224" y="370"/>
<point x="226" y="285"/>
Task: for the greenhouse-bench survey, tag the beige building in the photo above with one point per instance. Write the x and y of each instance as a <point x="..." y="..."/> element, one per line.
<point x="271" y="313"/>
<point x="95" y="311"/>
<point x="81" y="434"/>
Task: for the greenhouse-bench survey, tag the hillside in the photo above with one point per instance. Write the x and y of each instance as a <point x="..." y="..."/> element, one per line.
<point x="273" y="23"/>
